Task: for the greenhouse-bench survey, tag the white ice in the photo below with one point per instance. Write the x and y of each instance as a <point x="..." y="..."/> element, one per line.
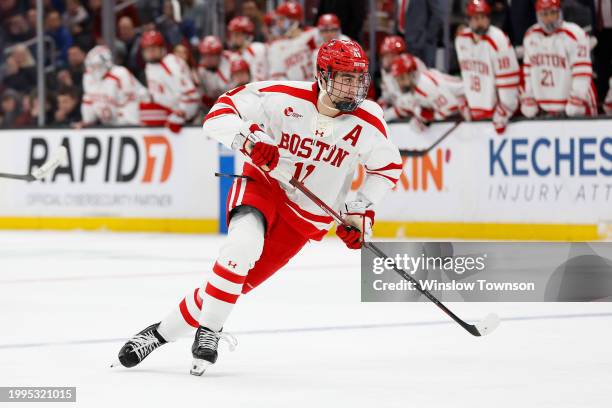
<point x="69" y="300"/>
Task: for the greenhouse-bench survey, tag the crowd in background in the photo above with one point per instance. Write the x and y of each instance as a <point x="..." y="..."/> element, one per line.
<point x="74" y="27"/>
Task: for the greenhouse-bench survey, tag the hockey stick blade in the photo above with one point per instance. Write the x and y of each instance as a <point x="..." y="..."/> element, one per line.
<point x="51" y="164"/>
<point x="487" y="325"/>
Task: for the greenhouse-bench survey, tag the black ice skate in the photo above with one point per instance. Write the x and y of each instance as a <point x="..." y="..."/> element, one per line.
<point x="140" y="346"/>
<point x="204" y="348"/>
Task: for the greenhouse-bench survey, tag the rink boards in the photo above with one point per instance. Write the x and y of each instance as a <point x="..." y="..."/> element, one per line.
<point x="549" y="180"/>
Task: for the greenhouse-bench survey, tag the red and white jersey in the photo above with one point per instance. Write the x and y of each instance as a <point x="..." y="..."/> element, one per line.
<point x="490" y="71"/>
<point x="291" y="58"/>
<point x="557" y="66"/>
<point x="170" y="85"/>
<point x="214" y="82"/>
<point x="390" y="91"/>
<point x="434" y="92"/>
<point x="113" y="99"/>
<point x="320" y="151"/>
<point x="256" y="55"/>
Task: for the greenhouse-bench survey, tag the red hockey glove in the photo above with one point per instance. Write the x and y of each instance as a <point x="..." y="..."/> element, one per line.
<point x="361" y="220"/>
<point x="260" y="148"/>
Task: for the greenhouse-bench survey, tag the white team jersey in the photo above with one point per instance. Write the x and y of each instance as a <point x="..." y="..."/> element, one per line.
<point x="390" y="91"/>
<point x="320" y="151"/>
<point x="291" y="58"/>
<point x="170" y="85"/>
<point x="558" y="65"/>
<point x="489" y="70"/>
<point x="434" y="92"/>
<point x="113" y="99"/>
<point x="215" y="82"/>
<point x="256" y="55"/>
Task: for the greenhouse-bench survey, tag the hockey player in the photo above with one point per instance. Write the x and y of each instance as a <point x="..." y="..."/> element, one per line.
<point x="426" y="95"/>
<point x="290" y="56"/>
<point x="241" y="72"/>
<point x="175" y="99"/>
<point x="391" y="47"/>
<point x="241" y="31"/>
<point x="489" y="68"/>
<point x="213" y="70"/>
<point x="328" y="28"/>
<point x="111" y="93"/>
<point x="318" y="132"/>
<point x="557" y="66"/>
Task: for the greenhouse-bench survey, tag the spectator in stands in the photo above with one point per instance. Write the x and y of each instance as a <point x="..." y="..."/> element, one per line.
<point x="352" y="14"/>
<point x="60" y="34"/>
<point x="250" y="9"/>
<point x="68" y="110"/>
<point x="169" y="26"/>
<point x="77" y="20"/>
<point x="200" y="14"/>
<point x="17" y="29"/>
<point x="130" y="40"/>
<point x="20" y="70"/>
<point x="424" y="22"/>
<point x="75" y="14"/>
<point x="76" y="66"/>
<point x="9" y="8"/>
<point x="10" y="109"/>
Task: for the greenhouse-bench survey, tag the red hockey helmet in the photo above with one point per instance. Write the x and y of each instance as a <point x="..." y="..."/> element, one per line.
<point x="151" y="39"/>
<point x="393" y="44"/>
<point x="293" y="11"/>
<point x="328" y="22"/>
<point x="268" y="19"/>
<point x="477" y="7"/>
<point x="547" y="4"/>
<point x="343" y="57"/>
<point x="210" y="45"/>
<point x="403" y="64"/>
<point x="241" y="24"/>
<point x="238" y="65"/>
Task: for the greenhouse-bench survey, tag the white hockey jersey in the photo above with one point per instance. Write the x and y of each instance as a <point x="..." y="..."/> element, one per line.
<point x="291" y="58"/>
<point x="435" y="96"/>
<point x="170" y="85"/>
<point x="112" y="100"/>
<point x="214" y="82"/>
<point x="489" y="70"/>
<point x="390" y="91"/>
<point x="558" y="66"/>
<point x="320" y="151"/>
<point x="256" y="55"/>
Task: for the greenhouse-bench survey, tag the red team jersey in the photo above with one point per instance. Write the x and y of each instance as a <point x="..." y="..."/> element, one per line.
<point x="320" y="151"/>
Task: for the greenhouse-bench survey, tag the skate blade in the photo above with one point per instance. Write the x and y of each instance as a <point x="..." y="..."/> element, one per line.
<point x="116" y="363"/>
<point x="198" y="367"/>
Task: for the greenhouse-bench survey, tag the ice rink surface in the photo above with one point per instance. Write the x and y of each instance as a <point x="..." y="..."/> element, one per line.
<point x="69" y="300"/>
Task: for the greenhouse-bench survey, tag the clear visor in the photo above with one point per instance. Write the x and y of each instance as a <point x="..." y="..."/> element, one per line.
<point x="348" y="90"/>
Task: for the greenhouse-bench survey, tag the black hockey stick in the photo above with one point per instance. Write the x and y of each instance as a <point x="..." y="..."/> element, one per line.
<point x="482" y="328"/>
<point x="43" y="170"/>
<point x="423" y="152"/>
